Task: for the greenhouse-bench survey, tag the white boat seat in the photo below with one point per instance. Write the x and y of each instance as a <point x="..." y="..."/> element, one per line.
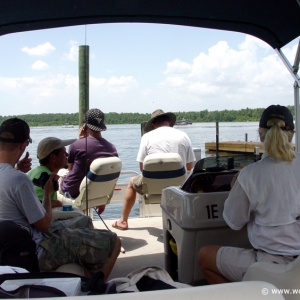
<point x="159" y="171"/>
<point x="283" y="276"/>
<point x="72" y="268"/>
<point x="99" y="183"/>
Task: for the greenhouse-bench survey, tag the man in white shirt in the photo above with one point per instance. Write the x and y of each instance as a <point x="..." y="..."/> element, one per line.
<point x="160" y="137"/>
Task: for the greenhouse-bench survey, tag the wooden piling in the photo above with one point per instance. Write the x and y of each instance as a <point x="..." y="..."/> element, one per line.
<point x="84" y="73"/>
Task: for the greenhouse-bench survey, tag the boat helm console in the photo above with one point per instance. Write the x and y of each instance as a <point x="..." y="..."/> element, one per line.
<point x="193" y="215"/>
<point x="209" y="182"/>
<point x="214" y="174"/>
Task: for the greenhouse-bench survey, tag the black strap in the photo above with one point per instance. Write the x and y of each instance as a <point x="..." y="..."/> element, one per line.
<point x="102" y="178"/>
<point x="164" y="174"/>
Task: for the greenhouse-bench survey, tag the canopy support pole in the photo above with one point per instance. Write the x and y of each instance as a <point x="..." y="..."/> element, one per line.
<point x="297" y="115"/>
<point x="294" y="70"/>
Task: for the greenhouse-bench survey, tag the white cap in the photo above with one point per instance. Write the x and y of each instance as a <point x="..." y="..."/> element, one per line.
<point x="47" y="145"/>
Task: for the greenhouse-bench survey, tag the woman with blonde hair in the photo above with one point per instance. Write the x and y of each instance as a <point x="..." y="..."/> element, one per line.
<point x="266" y="198"/>
<point x="277" y="132"/>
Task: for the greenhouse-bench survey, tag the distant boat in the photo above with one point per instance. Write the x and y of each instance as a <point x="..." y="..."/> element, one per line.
<point x="67" y="125"/>
<point x="183" y="122"/>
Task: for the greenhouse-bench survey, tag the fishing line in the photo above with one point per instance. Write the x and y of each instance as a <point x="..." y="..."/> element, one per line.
<point x="101" y="219"/>
<point x="86" y="163"/>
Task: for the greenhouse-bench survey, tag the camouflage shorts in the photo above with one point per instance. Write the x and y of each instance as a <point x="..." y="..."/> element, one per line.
<point x="87" y="247"/>
<point x="138" y="184"/>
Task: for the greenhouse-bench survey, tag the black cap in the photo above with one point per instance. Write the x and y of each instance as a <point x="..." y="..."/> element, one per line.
<point x="277" y="112"/>
<point x="14" y="131"/>
<point x="94" y="119"/>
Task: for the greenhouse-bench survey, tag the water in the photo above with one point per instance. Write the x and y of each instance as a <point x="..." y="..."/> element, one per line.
<point x="126" y="138"/>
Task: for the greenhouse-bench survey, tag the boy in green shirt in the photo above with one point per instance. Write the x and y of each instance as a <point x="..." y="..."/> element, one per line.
<point x="52" y="156"/>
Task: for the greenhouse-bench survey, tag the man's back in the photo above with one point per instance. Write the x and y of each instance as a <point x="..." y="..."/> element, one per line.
<point x="166" y="140"/>
<point x="18" y="201"/>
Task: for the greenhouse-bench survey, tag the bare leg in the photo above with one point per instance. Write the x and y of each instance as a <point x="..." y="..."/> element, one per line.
<point x="109" y="266"/>
<point x="207" y="261"/>
<point x="129" y="201"/>
<point x="100" y="209"/>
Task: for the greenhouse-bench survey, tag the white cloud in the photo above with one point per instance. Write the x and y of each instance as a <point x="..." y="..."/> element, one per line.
<point x="60" y="93"/>
<point x="121" y="84"/>
<point x="40" y="65"/>
<point x="253" y="76"/>
<point x="178" y="67"/>
<point x="41" y="50"/>
<point x="73" y="51"/>
<point x="222" y="77"/>
<point x="253" y="44"/>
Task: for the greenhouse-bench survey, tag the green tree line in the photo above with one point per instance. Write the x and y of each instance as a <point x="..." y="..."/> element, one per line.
<point x="243" y="115"/>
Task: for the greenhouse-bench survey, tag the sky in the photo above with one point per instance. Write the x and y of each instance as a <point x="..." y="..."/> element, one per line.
<point x="139" y="68"/>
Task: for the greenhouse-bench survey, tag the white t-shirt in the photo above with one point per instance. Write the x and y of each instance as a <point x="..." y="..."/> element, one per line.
<point x="18" y="201"/>
<point x="266" y="196"/>
<point x="166" y="140"/>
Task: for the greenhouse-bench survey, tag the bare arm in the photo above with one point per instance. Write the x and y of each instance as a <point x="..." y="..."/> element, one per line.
<point x="83" y="131"/>
<point x="56" y="203"/>
<point x="24" y="165"/>
<point x="141" y="166"/>
<point x="44" y="223"/>
<point x="189" y="166"/>
<point x="70" y="166"/>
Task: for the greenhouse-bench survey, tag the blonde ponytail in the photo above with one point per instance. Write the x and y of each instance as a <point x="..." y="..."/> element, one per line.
<point x="277" y="142"/>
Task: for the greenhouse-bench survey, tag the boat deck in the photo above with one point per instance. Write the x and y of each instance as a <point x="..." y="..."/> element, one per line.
<point x="143" y="244"/>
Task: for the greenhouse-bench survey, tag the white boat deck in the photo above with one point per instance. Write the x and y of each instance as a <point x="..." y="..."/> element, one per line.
<point x="143" y="244"/>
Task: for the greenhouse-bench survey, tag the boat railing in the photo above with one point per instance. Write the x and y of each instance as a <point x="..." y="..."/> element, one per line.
<point x="121" y="185"/>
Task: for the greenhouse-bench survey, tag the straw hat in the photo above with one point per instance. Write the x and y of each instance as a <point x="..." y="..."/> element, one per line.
<point x="158" y="113"/>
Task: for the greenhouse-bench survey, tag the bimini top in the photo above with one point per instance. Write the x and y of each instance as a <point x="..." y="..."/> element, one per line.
<point x="277" y="22"/>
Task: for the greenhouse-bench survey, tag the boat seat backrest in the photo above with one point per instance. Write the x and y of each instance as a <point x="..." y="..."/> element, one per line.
<point x="102" y="176"/>
<point x="161" y="170"/>
<point x="283" y="276"/>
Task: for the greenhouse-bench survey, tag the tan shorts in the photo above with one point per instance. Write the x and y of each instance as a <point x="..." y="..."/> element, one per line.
<point x="233" y="262"/>
<point x="138" y="184"/>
